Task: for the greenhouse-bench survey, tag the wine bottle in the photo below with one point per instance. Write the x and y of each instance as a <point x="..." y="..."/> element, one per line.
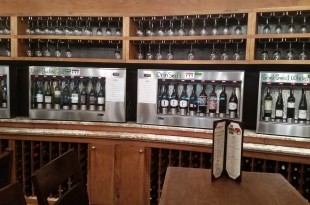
<point x="33" y="93"/>
<point x="75" y="96"/>
<point x="4" y="93"/>
<point x="279" y="106"/>
<point x="48" y="97"/>
<point x="193" y="102"/>
<point x="233" y="104"/>
<point x="174" y="100"/>
<point x="57" y="96"/>
<point x="92" y="98"/>
<point x="267" y="105"/>
<point x="1" y="92"/>
<point x="302" y="109"/>
<point x="40" y="95"/>
<point x="212" y="102"/>
<point x="65" y="97"/>
<point x="290" y="112"/>
<point x="223" y="102"/>
<point x="202" y="102"/>
<point x="83" y="97"/>
<point x="101" y="97"/>
<point x="183" y="103"/>
<point x="164" y="100"/>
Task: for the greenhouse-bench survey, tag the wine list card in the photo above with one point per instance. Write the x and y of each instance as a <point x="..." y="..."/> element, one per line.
<point x="227" y="149"/>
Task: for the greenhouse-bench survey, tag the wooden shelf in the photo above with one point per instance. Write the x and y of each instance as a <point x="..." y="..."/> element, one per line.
<point x="54" y="59"/>
<point x="188" y="61"/>
<point x="288" y="62"/>
<point x="188" y="38"/>
<point x="64" y="37"/>
<point x="282" y="35"/>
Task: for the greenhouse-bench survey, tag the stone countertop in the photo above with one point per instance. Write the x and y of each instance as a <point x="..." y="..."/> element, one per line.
<point x="293" y="151"/>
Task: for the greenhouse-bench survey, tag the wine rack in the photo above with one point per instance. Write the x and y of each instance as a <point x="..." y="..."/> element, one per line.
<point x="32" y="155"/>
<point x="297" y="174"/>
<point x="3" y="145"/>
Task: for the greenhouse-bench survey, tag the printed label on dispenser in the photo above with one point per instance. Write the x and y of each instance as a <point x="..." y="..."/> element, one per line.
<point x="115" y="91"/>
<point x="146" y="91"/>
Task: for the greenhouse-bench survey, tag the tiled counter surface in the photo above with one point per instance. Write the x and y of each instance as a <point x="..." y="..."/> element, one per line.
<point x="131" y="131"/>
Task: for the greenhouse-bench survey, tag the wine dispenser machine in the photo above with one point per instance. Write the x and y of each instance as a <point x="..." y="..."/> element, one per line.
<point x="74" y="93"/>
<point x="283" y="102"/>
<point x="189" y="98"/>
<point x="7" y="103"/>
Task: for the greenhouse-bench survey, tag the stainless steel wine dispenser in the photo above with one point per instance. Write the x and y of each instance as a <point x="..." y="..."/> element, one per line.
<point x="6" y="108"/>
<point x="286" y="81"/>
<point x="113" y="81"/>
<point x="150" y="89"/>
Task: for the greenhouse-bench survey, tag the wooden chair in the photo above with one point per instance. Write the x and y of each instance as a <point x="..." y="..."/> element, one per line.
<point x="12" y="195"/>
<point x="6" y="159"/>
<point x="48" y="178"/>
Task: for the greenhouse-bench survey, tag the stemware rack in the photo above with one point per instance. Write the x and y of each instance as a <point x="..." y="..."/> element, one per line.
<point x="128" y="39"/>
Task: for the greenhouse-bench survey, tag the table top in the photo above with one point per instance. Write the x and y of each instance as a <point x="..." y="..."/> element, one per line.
<point x="193" y="186"/>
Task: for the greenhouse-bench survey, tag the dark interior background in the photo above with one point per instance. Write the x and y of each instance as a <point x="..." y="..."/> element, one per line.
<point x="20" y="72"/>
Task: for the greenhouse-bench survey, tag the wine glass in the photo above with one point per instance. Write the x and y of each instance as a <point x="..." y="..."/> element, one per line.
<point x="304" y="28"/>
<point x="6" y="28"/>
<point x="27" y="30"/>
<point x="7" y="50"/>
<point x="276" y="55"/>
<point x="191" y="54"/>
<point x="192" y="30"/>
<point x="159" y="54"/>
<point x="140" y="31"/>
<point x="140" y="55"/>
<point x="266" y="28"/>
<point x="213" y="54"/>
<point x="237" y="53"/>
<point x="58" y="27"/>
<point x="170" y="30"/>
<point x="87" y="30"/>
<point x="149" y="54"/>
<point x="1" y="27"/>
<point x="57" y="50"/>
<point x="108" y="31"/>
<point x="303" y="54"/>
<point x="47" y="28"/>
<point x="224" y="54"/>
<point x="160" y="31"/>
<point x="117" y="53"/>
<point x="238" y="29"/>
<point x="290" y="54"/>
<point x="38" y="30"/>
<point x="278" y="28"/>
<point x="215" y="30"/>
<point x="203" y="31"/>
<point x="99" y="30"/>
<point x="29" y="52"/>
<point x="118" y="30"/>
<point x="291" y="27"/>
<point x="264" y="54"/>
<point x="77" y="29"/>
<point x="68" y="50"/>
<point x="170" y="54"/>
<point x="181" y="31"/>
<point x="38" y="52"/>
<point x="150" y="29"/>
<point x="226" y="27"/>
<point x="68" y="29"/>
<point x="47" y="51"/>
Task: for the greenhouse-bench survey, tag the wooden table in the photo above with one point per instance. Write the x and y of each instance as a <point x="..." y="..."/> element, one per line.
<point x="192" y="186"/>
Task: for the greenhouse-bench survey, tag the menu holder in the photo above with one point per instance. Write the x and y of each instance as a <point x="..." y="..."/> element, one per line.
<point x="227" y="149"/>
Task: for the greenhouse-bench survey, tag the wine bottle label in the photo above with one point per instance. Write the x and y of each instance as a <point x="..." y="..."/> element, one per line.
<point x="173" y="103"/>
<point x="57" y="93"/>
<point x="48" y="99"/>
<point x="74" y="98"/>
<point x="39" y="98"/>
<point x="212" y="104"/>
<point x="202" y="101"/>
<point x="92" y="100"/>
<point x="279" y="113"/>
<point x="232" y="106"/>
<point x="164" y="103"/>
<point x="290" y="104"/>
<point x="183" y="103"/>
<point x="268" y="105"/>
<point x="302" y="114"/>
<point x="100" y="100"/>
<point x="83" y="99"/>
<point x="192" y="105"/>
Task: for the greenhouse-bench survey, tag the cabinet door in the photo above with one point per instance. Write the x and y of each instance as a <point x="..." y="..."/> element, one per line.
<point x="131" y="175"/>
<point x="101" y="174"/>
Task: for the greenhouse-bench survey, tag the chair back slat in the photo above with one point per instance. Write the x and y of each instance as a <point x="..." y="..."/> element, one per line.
<point x="12" y="195"/>
<point x="56" y="172"/>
